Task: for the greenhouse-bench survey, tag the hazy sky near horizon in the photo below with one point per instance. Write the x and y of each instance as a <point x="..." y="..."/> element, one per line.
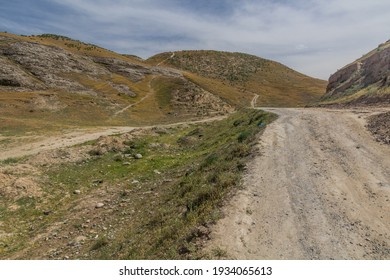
<point x="315" y="37"/>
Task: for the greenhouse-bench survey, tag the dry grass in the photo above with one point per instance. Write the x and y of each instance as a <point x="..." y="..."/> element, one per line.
<point x="73" y="46"/>
<point x="237" y="77"/>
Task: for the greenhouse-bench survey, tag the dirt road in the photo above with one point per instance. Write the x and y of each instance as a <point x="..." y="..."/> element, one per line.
<point x="75" y="137"/>
<point x="319" y="190"/>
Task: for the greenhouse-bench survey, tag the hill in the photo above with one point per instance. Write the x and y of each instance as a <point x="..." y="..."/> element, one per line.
<point x="51" y="82"/>
<point x="366" y="81"/>
<point x="238" y="77"/>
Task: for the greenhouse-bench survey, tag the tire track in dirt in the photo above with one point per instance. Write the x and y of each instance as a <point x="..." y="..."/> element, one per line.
<point x="319" y="190"/>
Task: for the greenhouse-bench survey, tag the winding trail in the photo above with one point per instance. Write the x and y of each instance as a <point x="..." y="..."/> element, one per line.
<point x="172" y="56"/>
<point x="149" y="94"/>
<point x="320" y="189"/>
<point x="254" y="101"/>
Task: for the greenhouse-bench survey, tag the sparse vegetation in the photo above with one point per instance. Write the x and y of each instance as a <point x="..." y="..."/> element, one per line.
<point x="362" y="82"/>
<point x="158" y="207"/>
<point x="236" y="77"/>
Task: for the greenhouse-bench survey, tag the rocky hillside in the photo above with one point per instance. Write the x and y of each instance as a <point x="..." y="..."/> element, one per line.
<point x="366" y="81"/>
<point x="51" y="80"/>
<point x="238" y="77"/>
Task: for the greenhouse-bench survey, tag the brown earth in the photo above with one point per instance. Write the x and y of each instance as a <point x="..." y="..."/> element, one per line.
<point x="320" y="189"/>
<point x="379" y="125"/>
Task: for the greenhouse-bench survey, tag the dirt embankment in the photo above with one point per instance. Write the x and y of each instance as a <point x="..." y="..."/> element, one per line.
<point x="319" y="190"/>
<point x="379" y="125"/>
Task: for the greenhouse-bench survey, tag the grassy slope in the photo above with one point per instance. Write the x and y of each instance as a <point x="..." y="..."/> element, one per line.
<point x="236" y="77"/>
<point x="159" y="218"/>
<point x="73" y="46"/>
<point x="20" y="118"/>
<point x="366" y="94"/>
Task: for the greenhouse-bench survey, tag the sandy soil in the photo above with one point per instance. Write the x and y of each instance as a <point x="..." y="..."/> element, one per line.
<point x="320" y="189"/>
<point x="78" y="136"/>
<point x="67" y="139"/>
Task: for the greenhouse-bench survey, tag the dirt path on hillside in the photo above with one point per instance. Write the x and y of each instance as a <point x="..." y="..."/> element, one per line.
<point x="254" y="101"/>
<point x="319" y="190"/>
<point x="149" y="94"/>
<point x="77" y="136"/>
<point x="172" y="56"/>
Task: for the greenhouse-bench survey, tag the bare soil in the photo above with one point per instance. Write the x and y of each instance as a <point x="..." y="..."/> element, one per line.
<point x="320" y="189"/>
<point x="379" y="125"/>
<point x="33" y="145"/>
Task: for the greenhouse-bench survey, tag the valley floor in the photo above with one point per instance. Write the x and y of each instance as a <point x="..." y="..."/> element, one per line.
<point x="25" y="146"/>
<point x="319" y="190"/>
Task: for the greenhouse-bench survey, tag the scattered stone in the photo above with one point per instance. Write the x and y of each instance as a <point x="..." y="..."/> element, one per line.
<point x="46" y="212"/>
<point x="80" y="238"/>
<point x="137" y="156"/>
<point x="77" y="192"/>
<point x="77" y="241"/>
<point x="99" y="205"/>
<point x="157" y="172"/>
<point x="126" y="163"/>
<point x="98" y="181"/>
<point x="154" y="145"/>
<point x="134" y="182"/>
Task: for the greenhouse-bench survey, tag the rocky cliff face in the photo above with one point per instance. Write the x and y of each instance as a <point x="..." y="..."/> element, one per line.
<point x="365" y="81"/>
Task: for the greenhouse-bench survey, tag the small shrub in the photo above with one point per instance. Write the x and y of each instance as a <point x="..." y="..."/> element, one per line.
<point x="219" y="253"/>
<point x="243" y="136"/>
<point x="95" y="152"/>
<point x="118" y="157"/>
<point x="237" y="122"/>
<point x="101" y="242"/>
<point x="209" y="160"/>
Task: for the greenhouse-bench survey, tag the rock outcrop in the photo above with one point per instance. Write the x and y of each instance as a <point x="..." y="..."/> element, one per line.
<point x="365" y="81"/>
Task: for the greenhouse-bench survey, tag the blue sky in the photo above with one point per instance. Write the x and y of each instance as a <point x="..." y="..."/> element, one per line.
<point x="315" y="37"/>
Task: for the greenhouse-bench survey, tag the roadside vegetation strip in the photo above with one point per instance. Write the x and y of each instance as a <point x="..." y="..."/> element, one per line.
<point x="158" y="206"/>
<point x="213" y="157"/>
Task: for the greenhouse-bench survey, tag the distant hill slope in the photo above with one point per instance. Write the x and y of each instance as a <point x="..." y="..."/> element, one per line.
<point x="51" y="81"/>
<point x="365" y="81"/>
<point x="237" y="77"/>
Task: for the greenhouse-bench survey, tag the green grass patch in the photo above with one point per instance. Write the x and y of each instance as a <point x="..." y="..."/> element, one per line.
<point x="164" y="87"/>
<point x="211" y="168"/>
